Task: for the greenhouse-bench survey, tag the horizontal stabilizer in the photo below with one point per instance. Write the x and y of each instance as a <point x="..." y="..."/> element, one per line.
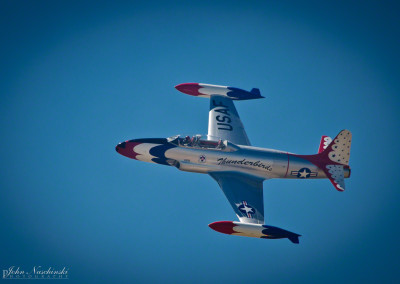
<point x="335" y="174"/>
<point x="338" y="151"/>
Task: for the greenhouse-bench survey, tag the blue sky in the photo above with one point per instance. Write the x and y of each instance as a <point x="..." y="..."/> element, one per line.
<point x="77" y="78"/>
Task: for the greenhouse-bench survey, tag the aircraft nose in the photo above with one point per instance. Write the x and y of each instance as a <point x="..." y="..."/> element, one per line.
<point x="127" y="148"/>
<point x="124" y="149"/>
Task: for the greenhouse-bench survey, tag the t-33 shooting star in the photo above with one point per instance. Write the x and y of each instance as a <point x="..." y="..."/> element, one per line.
<point x="226" y="154"/>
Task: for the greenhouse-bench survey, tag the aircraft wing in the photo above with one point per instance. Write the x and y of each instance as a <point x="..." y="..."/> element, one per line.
<point x="244" y="193"/>
<point x="224" y="121"/>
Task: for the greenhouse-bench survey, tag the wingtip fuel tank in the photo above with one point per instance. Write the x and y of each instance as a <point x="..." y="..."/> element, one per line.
<point x="253" y="230"/>
<point x="207" y="90"/>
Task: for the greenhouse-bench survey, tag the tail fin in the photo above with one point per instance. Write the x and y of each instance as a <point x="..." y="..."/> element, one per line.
<point x="255" y="91"/>
<point x="325" y="141"/>
<point x="333" y="159"/>
<point x="294" y="238"/>
<point x="338" y="153"/>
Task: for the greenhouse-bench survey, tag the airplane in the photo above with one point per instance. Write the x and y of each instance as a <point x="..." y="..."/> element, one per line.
<point x="240" y="169"/>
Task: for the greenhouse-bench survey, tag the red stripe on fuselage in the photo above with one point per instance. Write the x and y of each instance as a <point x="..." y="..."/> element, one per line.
<point x="287" y="168"/>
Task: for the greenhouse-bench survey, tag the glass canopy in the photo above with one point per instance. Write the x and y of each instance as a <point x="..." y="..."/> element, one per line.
<point x="201" y="142"/>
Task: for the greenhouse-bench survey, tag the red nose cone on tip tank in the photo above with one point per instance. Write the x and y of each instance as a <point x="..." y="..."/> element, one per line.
<point x="225" y="227"/>
<point x="189" y="88"/>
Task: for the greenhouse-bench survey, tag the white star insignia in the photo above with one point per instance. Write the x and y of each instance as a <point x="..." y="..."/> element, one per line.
<point x="304" y="174"/>
<point x="247" y="209"/>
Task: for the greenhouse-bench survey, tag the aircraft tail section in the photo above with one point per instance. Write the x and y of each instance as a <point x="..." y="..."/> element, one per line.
<point x="337" y="156"/>
<point x="333" y="158"/>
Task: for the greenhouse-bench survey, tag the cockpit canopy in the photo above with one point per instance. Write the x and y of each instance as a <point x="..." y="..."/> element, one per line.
<point x="199" y="141"/>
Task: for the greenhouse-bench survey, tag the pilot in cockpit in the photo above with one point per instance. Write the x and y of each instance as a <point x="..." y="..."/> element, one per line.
<point x="193" y="141"/>
<point x="186" y="141"/>
<point x="220" y="144"/>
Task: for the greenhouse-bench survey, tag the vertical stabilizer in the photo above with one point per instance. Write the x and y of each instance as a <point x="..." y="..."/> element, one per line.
<point x="325" y="141"/>
<point x="256" y="91"/>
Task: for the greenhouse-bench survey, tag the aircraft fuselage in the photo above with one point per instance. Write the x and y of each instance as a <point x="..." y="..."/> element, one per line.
<point x="257" y="162"/>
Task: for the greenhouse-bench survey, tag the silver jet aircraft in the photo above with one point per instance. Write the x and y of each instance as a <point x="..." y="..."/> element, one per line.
<point x="226" y="154"/>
